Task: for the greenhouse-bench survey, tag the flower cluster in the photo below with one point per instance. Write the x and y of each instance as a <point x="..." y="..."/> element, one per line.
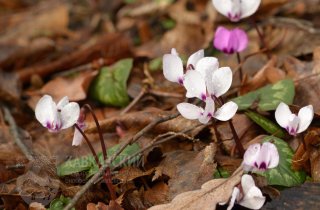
<point x="204" y="80"/>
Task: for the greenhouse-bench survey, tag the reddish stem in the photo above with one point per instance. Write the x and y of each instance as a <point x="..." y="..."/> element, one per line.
<point x="240" y="68"/>
<point x="89" y="144"/>
<point x="107" y="176"/>
<point x="103" y="146"/>
<point x="234" y="133"/>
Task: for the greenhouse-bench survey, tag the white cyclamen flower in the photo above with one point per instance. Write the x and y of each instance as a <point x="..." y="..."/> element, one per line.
<point x="193" y="112"/>
<point x="236" y="9"/>
<point x="292" y="123"/>
<point x="207" y="80"/>
<point x="250" y="197"/>
<point x="173" y="66"/>
<point x="56" y="116"/>
<point x="260" y="157"/>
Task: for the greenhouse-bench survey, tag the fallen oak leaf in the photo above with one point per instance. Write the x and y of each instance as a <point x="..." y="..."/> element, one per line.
<point x="211" y="193"/>
<point x="75" y="88"/>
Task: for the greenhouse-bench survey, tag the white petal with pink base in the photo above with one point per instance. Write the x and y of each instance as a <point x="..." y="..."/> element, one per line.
<point x="291" y="122"/>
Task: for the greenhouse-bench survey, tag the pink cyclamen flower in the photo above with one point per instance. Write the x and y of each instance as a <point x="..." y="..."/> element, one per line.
<point x="248" y="195"/>
<point x="230" y="41"/>
<point x="193" y="112"/>
<point x="292" y="123"/>
<point x="77" y="136"/>
<point x="54" y="116"/>
<point x="173" y="66"/>
<point x="236" y="9"/>
<point x="261" y="157"/>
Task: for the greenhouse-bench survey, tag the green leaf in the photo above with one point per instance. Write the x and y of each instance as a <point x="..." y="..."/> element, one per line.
<point x="110" y="86"/>
<point x="88" y="164"/>
<point x="266" y="124"/>
<point x="283" y="175"/>
<point x="155" y="64"/>
<point x="221" y="173"/>
<point x="59" y="203"/>
<point x="268" y="97"/>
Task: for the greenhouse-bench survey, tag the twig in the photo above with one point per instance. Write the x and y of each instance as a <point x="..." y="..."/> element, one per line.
<point x="107" y="163"/>
<point x="135" y="100"/>
<point x="15" y="133"/>
<point x="156" y="142"/>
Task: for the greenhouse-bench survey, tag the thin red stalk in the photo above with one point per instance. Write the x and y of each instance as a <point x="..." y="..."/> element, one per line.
<point x="89" y="144"/>
<point x="240" y="68"/>
<point x="107" y="176"/>
<point x="234" y="133"/>
<point x="261" y="36"/>
<point x="103" y="146"/>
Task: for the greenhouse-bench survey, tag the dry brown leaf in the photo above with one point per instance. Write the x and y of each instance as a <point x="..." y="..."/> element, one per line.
<point x="130" y="173"/>
<point x="75" y="88"/>
<point x="268" y="74"/>
<point x="113" y="205"/>
<point x="211" y="193"/>
<point x="158" y="194"/>
<point x="47" y="18"/>
<point x="188" y="169"/>
<point x="36" y="206"/>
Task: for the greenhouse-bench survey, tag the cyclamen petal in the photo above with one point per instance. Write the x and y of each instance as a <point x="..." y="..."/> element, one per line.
<point x="189" y="111"/>
<point x="236" y="9"/>
<point x="195" y="85"/>
<point x="230" y="41"/>
<point x="305" y="115"/>
<point x="77" y="136"/>
<point x="291" y="122"/>
<point x="173" y="68"/>
<point x="69" y="115"/>
<point x="194" y="58"/>
<point x="226" y="111"/>
<point x="221" y="81"/>
<point x="208" y="111"/>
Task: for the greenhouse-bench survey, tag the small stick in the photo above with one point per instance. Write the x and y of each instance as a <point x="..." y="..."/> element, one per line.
<point x="135" y="100"/>
<point x="240" y="68"/>
<point x="14" y="131"/>
<point x="108" y="162"/>
<point x="261" y="36"/>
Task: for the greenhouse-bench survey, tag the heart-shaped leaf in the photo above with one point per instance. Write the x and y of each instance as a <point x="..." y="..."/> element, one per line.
<point x="110" y="86"/>
<point x="268" y="97"/>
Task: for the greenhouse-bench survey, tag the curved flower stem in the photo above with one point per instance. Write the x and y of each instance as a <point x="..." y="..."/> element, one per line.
<point x="234" y="133"/>
<point x="103" y="146"/>
<point x="240" y="68"/>
<point x="261" y="37"/>
<point x="89" y="144"/>
<point x="107" y="175"/>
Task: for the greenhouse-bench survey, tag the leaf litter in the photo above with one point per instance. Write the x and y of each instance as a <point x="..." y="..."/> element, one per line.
<point x="110" y="56"/>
